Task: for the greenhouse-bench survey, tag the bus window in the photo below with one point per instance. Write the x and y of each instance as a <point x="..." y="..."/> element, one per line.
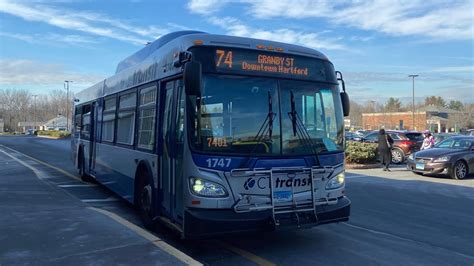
<point x="126" y="118"/>
<point x="180" y="125"/>
<point x="108" y="122"/>
<point x="86" y="122"/>
<point x="146" y="118"/>
<point x="77" y="119"/>
<point x="316" y="125"/>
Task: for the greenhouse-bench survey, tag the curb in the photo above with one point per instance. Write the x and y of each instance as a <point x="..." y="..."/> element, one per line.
<point x="362" y="166"/>
<point x="49" y="137"/>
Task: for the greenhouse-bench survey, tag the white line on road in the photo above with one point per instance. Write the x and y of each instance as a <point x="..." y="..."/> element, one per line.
<point x="100" y="200"/>
<point x="43" y="163"/>
<point x="77" y="185"/>
<point x="38" y="174"/>
<point x="405" y="239"/>
<point x="150" y="237"/>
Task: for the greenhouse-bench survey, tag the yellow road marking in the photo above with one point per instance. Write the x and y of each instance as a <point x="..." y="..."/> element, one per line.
<point x="150" y="237"/>
<point x="44" y="163"/>
<point x="250" y="256"/>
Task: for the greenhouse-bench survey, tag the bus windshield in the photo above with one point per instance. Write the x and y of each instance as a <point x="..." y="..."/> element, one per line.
<point x="239" y="115"/>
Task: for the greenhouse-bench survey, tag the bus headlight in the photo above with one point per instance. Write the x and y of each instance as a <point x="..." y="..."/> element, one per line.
<point x="336" y="181"/>
<point x="202" y="187"/>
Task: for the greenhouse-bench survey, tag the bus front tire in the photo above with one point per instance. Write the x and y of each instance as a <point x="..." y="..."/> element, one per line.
<point x="143" y="201"/>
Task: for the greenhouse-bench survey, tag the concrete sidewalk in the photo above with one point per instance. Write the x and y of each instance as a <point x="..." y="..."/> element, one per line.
<point x="41" y="224"/>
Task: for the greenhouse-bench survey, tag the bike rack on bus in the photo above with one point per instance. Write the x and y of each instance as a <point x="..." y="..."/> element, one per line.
<point x="297" y="209"/>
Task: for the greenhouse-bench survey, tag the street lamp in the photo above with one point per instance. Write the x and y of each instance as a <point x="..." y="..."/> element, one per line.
<point x="413" y="102"/>
<point x="373" y="105"/>
<point x="66" y="86"/>
<point x="34" y="126"/>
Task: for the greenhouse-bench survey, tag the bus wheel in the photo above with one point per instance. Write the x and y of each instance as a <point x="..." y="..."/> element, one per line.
<point x="143" y="201"/>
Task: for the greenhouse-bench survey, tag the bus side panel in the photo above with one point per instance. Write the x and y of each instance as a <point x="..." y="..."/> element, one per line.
<point x="116" y="168"/>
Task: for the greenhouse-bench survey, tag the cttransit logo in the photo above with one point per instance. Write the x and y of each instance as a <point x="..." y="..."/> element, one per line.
<point x="262" y="182"/>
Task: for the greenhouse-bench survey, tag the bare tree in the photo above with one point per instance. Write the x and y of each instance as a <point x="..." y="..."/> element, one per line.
<point x="16" y="107"/>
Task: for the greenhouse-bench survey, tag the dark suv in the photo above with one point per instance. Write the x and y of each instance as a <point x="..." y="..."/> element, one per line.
<point x="404" y="143"/>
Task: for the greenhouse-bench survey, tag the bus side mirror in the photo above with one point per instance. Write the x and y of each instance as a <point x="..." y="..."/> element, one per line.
<point x="192" y="78"/>
<point x="346" y="105"/>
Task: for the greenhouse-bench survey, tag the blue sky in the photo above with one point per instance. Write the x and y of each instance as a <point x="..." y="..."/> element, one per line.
<point x="376" y="44"/>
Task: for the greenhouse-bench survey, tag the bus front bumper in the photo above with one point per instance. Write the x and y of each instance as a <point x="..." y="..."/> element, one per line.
<point x="203" y="223"/>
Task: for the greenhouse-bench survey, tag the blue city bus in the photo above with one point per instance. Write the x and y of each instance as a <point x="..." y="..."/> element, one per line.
<point x="213" y="134"/>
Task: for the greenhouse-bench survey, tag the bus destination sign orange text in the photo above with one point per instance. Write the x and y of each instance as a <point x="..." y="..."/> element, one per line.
<point x="261" y="63"/>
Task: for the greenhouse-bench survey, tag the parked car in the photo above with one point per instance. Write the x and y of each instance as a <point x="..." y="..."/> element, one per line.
<point x="362" y="133"/>
<point x="404" y="143"/>
<point x="442" y="136"/>
<point x="453" y="156"/>
<point x="352" y="136"/>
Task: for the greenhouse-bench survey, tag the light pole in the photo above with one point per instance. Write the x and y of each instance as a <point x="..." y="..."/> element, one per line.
<point x="413" y="102"/>
<point x="34" y="126"/>
<point x="66" y="86"/>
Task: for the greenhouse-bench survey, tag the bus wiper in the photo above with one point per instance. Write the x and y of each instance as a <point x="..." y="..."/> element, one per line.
<point x="299" y="129"/>
<point x="267" y="126"/>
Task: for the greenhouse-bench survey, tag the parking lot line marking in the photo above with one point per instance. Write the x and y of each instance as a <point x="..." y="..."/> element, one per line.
<point x="100" y="200"/>
<point x="150" y="237"/>
<point x="403" y="238"/>
<point x="77" y="185"/>
<point x="244" y="253"/>
<point x="154" y="239"/>
<point x="38" y="174"/>
<point x="44" y="163"/>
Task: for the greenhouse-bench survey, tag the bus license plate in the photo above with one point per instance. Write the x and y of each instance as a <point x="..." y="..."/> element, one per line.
<point x="282" y="196"/>
<point x="420" y="166"/>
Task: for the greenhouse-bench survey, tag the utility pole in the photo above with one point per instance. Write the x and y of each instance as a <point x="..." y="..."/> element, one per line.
<point x="66" y="86"/>
<point x="413" y="102"/>
<point x="34" y="126"/>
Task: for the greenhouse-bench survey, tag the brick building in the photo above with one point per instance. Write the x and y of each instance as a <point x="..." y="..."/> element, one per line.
<point x="396" y="120"/>
<point x="434" y="118"/>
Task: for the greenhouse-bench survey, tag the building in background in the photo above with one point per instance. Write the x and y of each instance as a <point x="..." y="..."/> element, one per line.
<point x="2" y="126"/>
<point x="433" y="118"/>
<point x="27" y="126"/>
<point x="57" y="123"/>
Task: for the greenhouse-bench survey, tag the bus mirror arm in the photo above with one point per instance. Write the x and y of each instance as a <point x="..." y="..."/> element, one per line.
<point x="346" y="106"/>
<point x="182" y="58"/>
<point x="192" y="78"/>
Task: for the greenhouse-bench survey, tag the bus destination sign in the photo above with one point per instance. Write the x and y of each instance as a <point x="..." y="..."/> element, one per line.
<point x="256" y="62"/>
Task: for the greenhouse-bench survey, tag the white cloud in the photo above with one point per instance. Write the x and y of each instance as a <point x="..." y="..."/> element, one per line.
<point x="21" y="72"/>
<point x="52" y="38"/>
<point x="206" y="6"/>
<point x="455" y="69"/>
<point x="435" y="19"/>
<point x="235" y="27"/>
<point x="86" y="22"/>
<point x="439" y="20"/>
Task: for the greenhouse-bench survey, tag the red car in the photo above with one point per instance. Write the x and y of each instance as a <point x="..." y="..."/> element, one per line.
<point x="404" y="143"/>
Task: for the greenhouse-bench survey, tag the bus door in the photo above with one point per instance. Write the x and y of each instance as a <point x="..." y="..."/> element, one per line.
<point x="172" y="155"/>
<point x="88" y="134"/>
<point x="92" y="138"/>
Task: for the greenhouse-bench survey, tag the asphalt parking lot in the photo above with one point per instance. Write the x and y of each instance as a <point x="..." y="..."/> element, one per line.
<point x="51" y="217"/>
